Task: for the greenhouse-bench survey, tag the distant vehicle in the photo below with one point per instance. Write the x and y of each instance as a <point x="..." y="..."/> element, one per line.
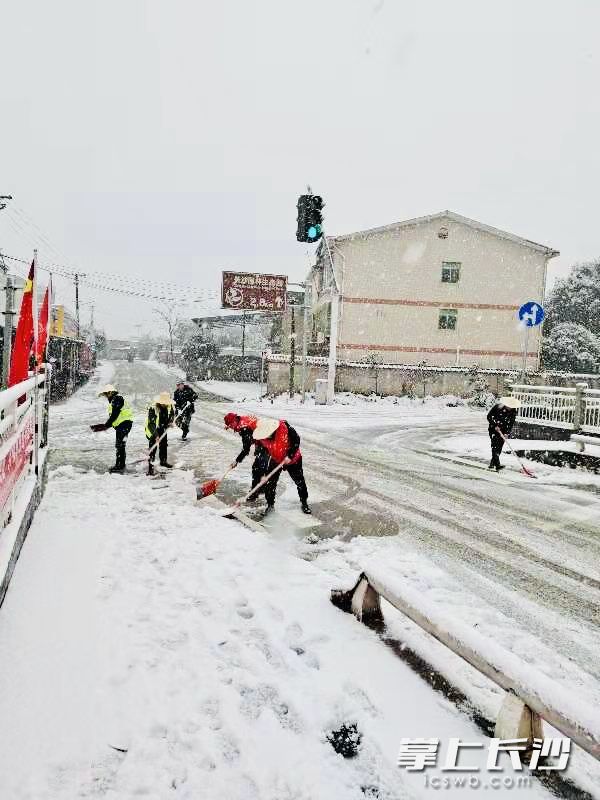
<point x="130" y="356"/>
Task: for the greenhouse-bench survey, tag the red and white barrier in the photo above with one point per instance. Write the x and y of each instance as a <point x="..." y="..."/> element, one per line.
<point x="21" y="407"/>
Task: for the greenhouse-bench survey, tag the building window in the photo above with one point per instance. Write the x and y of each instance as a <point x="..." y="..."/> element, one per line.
<point x="447" y="319"/>
<point x="450" y="271"/>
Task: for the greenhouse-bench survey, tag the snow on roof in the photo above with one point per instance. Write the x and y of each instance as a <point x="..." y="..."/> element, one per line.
<point x="453" y="217"/>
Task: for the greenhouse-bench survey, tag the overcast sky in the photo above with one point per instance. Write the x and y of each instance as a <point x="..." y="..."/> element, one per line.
<point x="171" y="138"/>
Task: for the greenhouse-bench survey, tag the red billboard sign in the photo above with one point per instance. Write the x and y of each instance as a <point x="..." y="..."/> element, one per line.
<point x="253" y="291"/>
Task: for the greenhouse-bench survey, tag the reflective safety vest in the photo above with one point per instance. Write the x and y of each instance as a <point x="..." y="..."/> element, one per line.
<point x="156" y="415"/>
<point x="126" y="414"/>
<point x="147" y="430"/>
<point x="277" y="446"/>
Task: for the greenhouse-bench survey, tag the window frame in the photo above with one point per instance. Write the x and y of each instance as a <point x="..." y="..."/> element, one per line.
<point x="447" y="313"/>
<point x="451" y="267"/>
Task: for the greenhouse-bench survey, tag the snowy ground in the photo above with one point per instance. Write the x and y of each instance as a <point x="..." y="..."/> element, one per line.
<point x="476" y="446"/>
<point x="211" y="654"/>
<point x="233" y="390"/>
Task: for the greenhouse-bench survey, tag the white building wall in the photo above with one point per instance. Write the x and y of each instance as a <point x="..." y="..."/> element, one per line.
<point x="393" y="292"/>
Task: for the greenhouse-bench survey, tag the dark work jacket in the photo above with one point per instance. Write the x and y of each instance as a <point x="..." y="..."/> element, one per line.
<point x="159" y="419"/>
<point x="185" y="395"/>
<point x="247" y="442"/>
<point x="117" y="403"/>
<point x="499" y="416"/>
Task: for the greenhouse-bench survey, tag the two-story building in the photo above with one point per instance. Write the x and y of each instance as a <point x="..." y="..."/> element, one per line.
<point x="443" y="289"/>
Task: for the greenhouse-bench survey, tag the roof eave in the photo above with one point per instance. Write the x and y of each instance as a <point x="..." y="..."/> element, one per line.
<point x="549" y="252"/>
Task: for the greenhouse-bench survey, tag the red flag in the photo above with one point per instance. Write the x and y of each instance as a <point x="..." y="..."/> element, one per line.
<point x="24" y="337"/>
<point x="42" y="337"/>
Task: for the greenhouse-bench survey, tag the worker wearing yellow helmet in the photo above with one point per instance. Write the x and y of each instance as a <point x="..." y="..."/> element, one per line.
<point x="120" y="417"/>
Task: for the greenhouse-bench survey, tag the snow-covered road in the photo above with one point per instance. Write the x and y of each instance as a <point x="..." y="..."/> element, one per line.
<point x="212" y="655"/>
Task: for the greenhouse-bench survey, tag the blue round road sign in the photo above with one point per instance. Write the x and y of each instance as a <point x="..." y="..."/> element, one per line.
<point x="531" y="314"/>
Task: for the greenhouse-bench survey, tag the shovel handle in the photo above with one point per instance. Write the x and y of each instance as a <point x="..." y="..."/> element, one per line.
<point x="261" y="483"/>
<point x="160" y="438"/>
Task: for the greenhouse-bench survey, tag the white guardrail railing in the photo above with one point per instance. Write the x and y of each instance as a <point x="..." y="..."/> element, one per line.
<point x="19" y="439"/>
<point x="591" y="415"/>
<point x="573" y="409"/>
<point x="530" y="696"/>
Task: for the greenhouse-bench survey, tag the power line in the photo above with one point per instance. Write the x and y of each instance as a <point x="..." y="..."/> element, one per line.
<point x="155" y="291"/>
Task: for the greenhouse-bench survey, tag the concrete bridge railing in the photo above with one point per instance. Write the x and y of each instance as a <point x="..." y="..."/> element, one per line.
<point x="575" y="409"/>
<point x="530" y="696"/>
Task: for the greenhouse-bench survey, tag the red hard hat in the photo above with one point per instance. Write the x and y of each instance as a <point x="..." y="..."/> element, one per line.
<point x="230" y="419"/>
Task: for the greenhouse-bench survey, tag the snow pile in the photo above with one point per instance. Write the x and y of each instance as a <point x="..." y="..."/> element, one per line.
<point x="158" y="650"/>
<point x="477" y="447"/>
<point x="233" y="390"/>
<point x="388" y="402"/>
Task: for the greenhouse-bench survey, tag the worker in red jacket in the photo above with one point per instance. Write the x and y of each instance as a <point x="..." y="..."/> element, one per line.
<point x="245" y="426"/>
<point x="280" y="444"/>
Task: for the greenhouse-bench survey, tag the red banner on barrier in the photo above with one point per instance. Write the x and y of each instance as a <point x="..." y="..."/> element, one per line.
<point x="14" y="461"/>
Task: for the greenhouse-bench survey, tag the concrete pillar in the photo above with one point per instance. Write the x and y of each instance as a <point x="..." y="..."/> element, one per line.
<point x="579" y="415"/>
<point x="517" y="721"/>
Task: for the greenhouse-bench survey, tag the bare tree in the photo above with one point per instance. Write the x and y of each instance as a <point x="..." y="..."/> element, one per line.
<point x="171" y="319"/>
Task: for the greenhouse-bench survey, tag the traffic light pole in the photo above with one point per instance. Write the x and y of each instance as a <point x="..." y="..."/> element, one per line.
<point x="333" y="330"/>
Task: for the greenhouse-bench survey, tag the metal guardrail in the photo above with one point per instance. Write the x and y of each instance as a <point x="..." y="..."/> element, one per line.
<point x="574" y="409"/>
<point x="547" y="405"/>
<point x="591" y="415"/>
<point x="525" y="704"/>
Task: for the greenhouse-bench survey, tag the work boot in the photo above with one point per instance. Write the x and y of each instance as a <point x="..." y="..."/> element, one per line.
<point x="116" y="468"/>
<point x="492" y="465"/>
<point x="499" y="467"/>
<point x="184" y="436"/>
<point x="166" y="464"/>
<point x="269" y="509"/>
<point x="150" y="469"/>
<point x="306" y="508"/>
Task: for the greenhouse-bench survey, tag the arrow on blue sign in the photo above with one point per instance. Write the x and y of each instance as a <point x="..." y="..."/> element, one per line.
<point x="531" y="314"/>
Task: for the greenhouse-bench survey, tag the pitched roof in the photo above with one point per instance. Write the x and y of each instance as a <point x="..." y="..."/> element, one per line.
<point x="453" y="217"/>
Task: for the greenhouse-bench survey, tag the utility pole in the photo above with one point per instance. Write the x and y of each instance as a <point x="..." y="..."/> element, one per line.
<point x="243" y="334"/>
<point x="78" y="326"/>
<point x="92" y="330"/>
<point x="8" y="310"/>
<point x="77" y="303"/>
<point x="292" y="349"/>
<point x="9" y="313"/>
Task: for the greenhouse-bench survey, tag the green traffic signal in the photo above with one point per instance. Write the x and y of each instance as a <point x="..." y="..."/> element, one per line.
<point x="310" y="218"/>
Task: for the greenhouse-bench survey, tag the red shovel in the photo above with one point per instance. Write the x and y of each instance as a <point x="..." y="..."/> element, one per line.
<point x="524" y="469"/>
<point x="210" y="487"/>
<point x="227" y="512"/>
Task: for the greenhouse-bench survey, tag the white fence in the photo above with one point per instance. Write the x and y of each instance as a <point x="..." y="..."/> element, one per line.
<point x="22" y="411"/>
<point x="591" y="415"/>
<point x="575" y="409"/>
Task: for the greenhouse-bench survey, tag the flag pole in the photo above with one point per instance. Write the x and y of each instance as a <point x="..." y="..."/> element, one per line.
<point x="47" y="368"/>
<point x="36" y="434"/>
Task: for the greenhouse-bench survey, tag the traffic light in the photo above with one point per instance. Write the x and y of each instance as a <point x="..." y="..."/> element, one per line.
<point x="310" y="218"/>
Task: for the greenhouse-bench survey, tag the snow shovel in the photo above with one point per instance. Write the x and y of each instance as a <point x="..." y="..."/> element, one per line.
<point x="524" y="469"/>
<point x="227" y="512"/>
<point x="159" y="440"/>
<point x="210" y="487"/>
